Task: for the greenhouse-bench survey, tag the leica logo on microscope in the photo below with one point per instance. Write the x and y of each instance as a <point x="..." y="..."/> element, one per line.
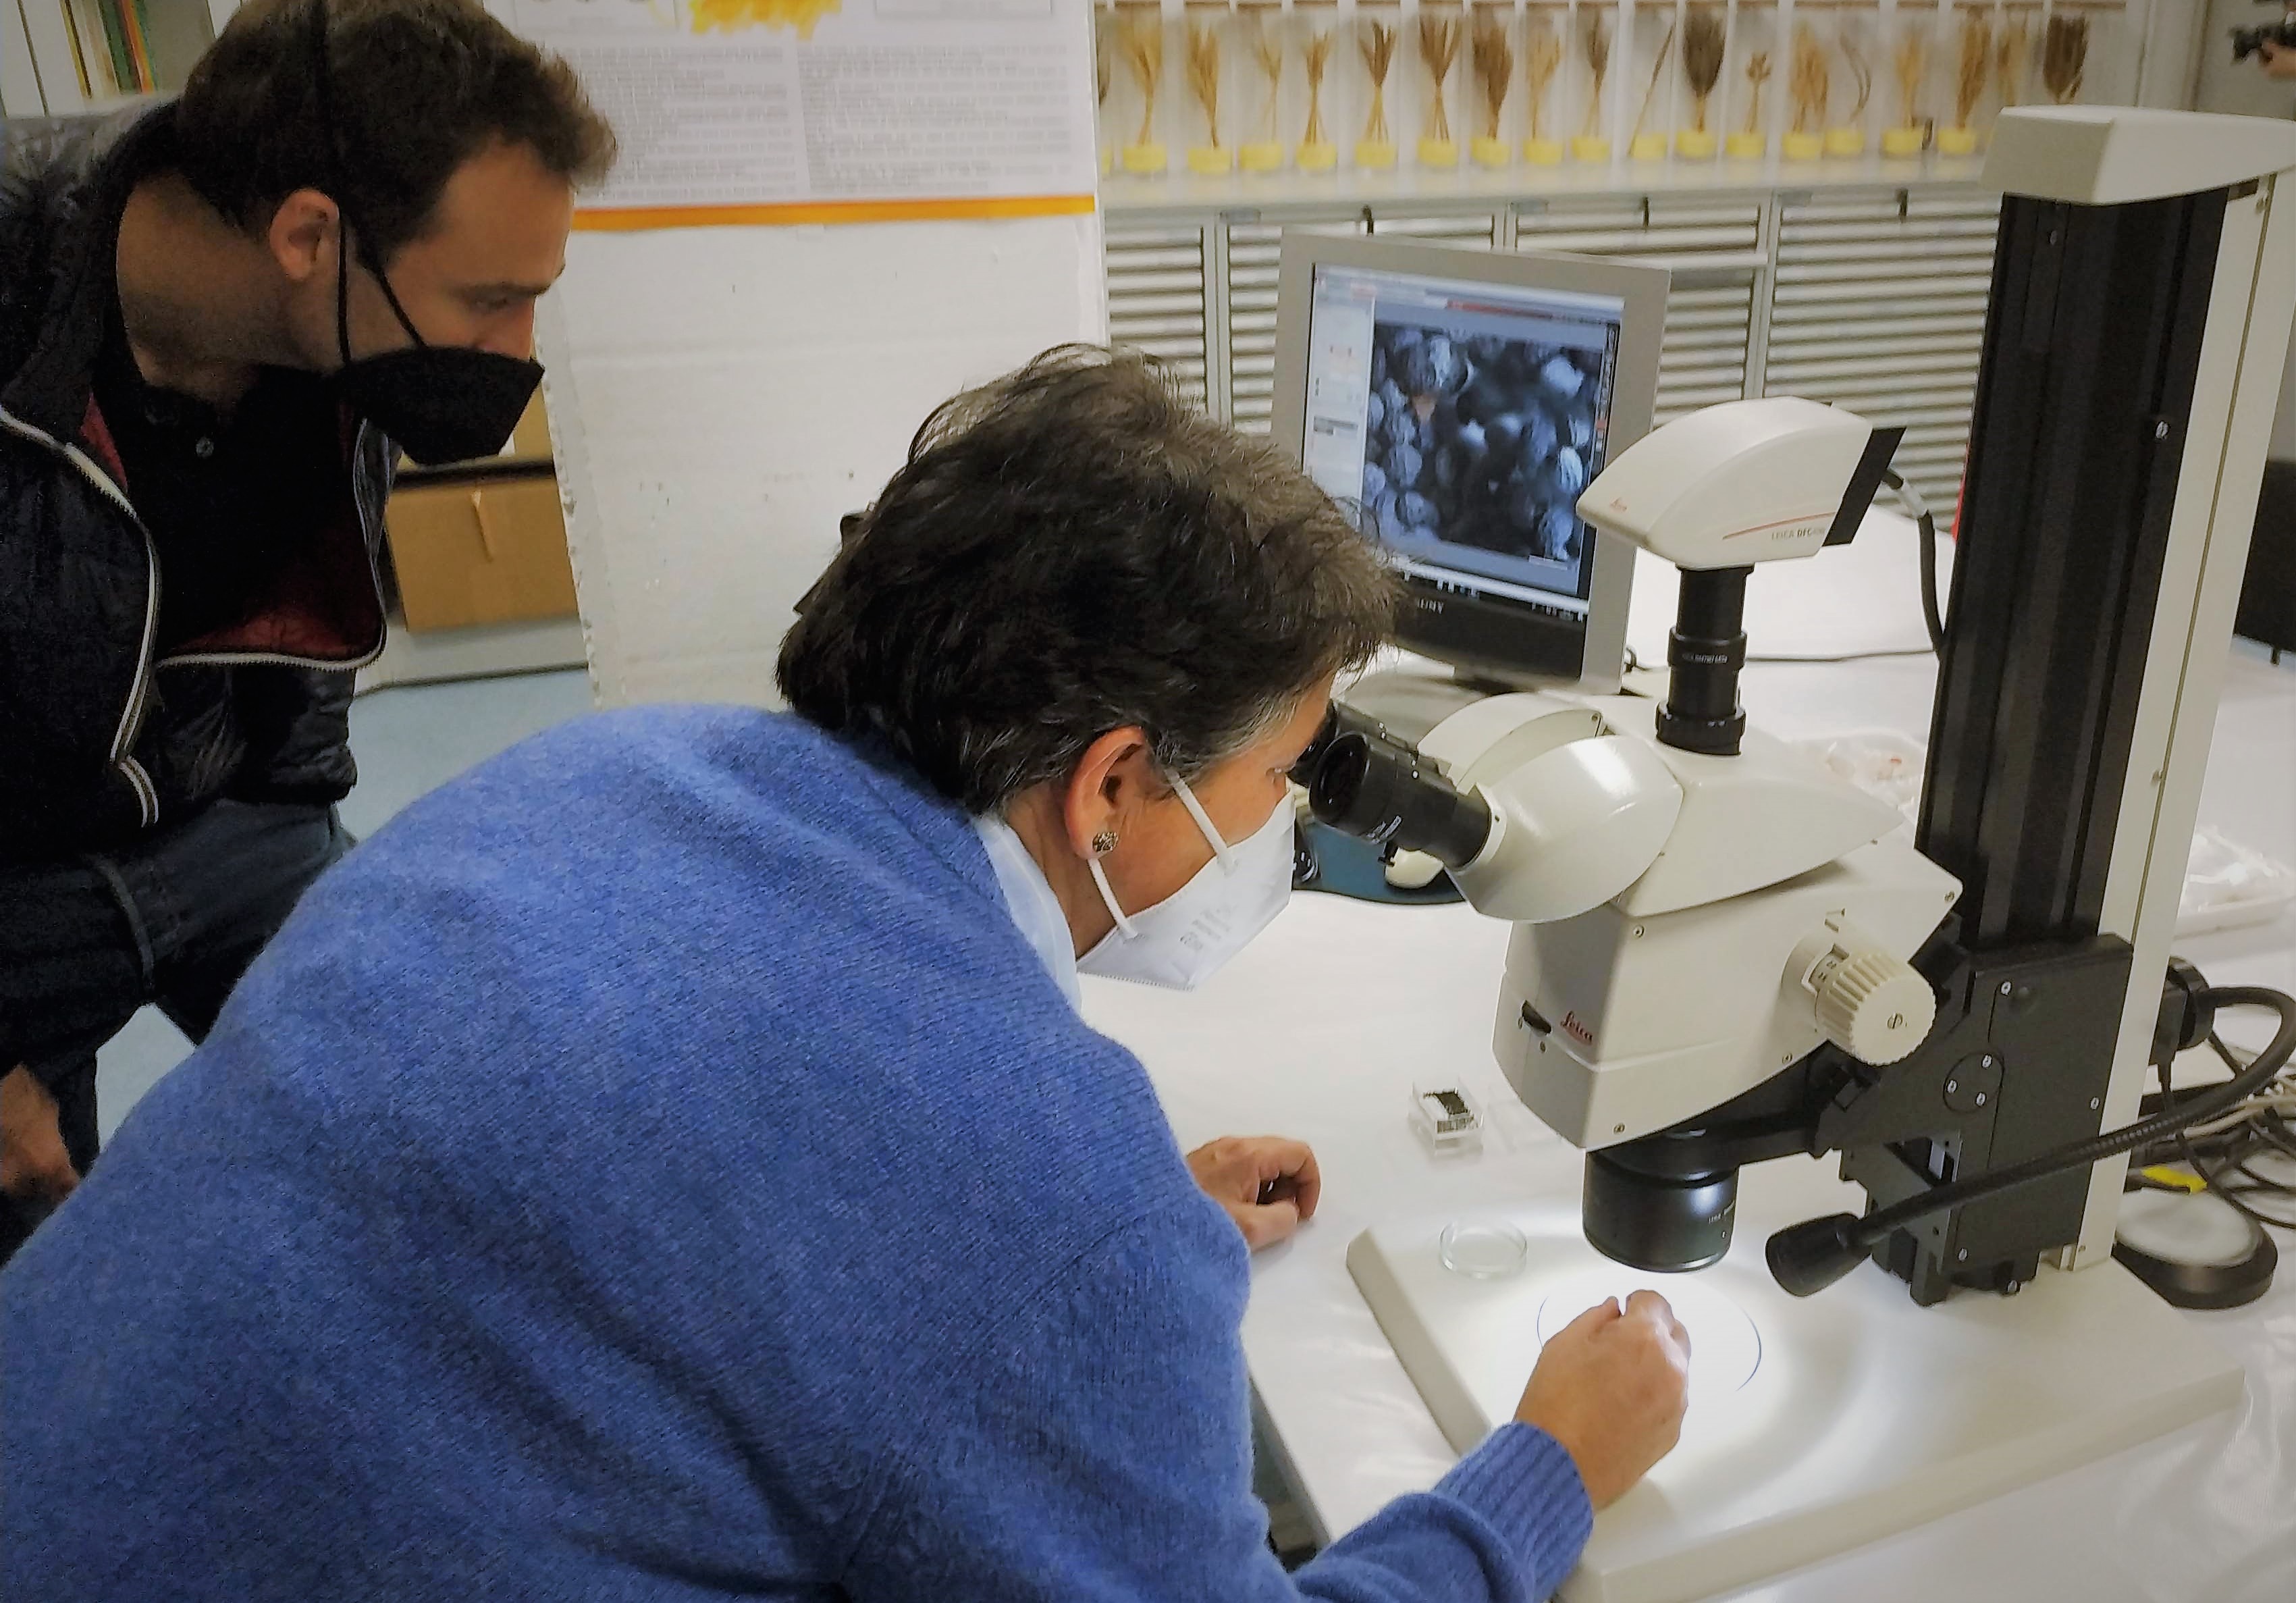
<point x="1575" y="1031"/>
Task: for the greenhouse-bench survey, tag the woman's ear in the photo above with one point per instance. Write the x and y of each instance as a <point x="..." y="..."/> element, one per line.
<point x="1106" y="789"/>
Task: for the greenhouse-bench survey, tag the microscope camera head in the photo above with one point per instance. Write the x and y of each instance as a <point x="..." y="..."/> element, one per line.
<point x="1743" y="482"/>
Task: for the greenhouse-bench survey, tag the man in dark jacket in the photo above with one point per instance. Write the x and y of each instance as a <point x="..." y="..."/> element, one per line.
<point x="220" y="321"/>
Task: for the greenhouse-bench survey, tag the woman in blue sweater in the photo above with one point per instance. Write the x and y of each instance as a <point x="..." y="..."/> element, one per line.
<point x="667" y="1163"/>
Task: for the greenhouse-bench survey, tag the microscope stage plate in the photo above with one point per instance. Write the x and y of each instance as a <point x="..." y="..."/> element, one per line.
<point x="1815" y="1425"/>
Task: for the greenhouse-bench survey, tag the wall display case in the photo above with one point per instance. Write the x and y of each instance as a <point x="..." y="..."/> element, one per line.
<point x="1379" y="83"/>
<point x="1491" y="82"/>
<point x="1205" y="88"/>
<point x="1705" y="51"/>
<point x="1856" y="48"/>
<point x="60" y="58"/>
<point x="1594" y="45"/>
<point x="1212" y="43"/>
<point x="1654" y="32"/>
<point x="1545" y="38"/>
<point x="1136" y="97"/>
<point x="1752" y="80"/>
<point x="1909" y="33"/>
<point x="1265" y="48"/>
<point x="1439" y="33"/>
<point x="1323" y="45"/>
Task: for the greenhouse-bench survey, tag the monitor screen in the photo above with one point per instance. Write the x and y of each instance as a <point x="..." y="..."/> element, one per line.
<point x="1464" y="419"/>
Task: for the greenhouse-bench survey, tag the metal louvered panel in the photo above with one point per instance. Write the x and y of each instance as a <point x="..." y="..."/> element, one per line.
<point x="1156" y="298"/>
<point x="1254" y="251"/>
<point x="1465" y="227"/>
<point x="1702" y="357"/>
<point x="1712" y="244"/>
<point x="1878" y="303"/>
<point x="1667" y="226"/>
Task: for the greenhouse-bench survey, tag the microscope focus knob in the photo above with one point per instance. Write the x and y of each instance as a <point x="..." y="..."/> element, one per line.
<point x="1874" y="1006"/>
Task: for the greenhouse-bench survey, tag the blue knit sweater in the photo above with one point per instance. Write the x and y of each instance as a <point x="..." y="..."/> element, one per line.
<point x="656" y="1167"/>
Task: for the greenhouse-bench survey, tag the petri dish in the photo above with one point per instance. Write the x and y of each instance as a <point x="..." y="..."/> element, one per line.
<point x="1726" y="1347"/>
<point x="1482" y="1251"/>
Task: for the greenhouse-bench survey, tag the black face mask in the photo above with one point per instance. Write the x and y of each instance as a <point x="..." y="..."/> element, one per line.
<point x="441" y="403"/>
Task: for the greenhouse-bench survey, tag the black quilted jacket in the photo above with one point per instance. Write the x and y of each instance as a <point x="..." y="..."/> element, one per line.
<point x="101" y="738"/>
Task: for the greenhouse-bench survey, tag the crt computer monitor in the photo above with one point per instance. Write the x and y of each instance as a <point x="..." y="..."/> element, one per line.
<point x="1461" y="399"/>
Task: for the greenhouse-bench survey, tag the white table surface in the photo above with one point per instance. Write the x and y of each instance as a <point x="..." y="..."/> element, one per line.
<point x="1320" y="1028"/>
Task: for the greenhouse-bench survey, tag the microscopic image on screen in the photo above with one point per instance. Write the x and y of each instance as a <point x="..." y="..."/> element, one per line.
<point x="1480" y="440"/>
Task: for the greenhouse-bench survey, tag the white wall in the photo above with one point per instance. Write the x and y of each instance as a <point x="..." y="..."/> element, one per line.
<point x="722" y="396"/>
<point x="20" y="84"/>
<point x="2223" y="86"/>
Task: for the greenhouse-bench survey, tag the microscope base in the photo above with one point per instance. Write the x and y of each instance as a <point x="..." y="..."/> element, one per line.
<point x="1863" y="1416"/>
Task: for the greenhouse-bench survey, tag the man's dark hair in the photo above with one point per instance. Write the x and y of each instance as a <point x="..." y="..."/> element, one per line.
<point x="417" y="88"/>
<point x="1069" y="550"/>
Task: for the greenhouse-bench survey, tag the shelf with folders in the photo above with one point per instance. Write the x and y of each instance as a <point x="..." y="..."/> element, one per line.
<point x="1356" y="90"/>
<point x="95" y="56"/>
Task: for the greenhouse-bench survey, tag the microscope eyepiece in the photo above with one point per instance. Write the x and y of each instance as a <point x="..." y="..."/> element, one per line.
<point x="1338" y="719"/>
<point x="1383" y="792"/>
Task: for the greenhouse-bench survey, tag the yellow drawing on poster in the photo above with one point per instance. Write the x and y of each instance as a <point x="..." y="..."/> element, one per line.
<point x="732" y="16"/>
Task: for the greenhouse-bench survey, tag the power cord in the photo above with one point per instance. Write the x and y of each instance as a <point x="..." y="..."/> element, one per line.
<point x="2220" y="1151"/>
<point x="1910" y="498"/>
<point x="1809" y="1256"/>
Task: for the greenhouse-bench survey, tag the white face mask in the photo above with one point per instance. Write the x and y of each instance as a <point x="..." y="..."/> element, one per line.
<point x="1181" y="939"/>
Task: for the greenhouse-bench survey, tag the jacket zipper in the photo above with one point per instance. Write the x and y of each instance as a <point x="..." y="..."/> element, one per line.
<point x="374" y="578"/>
<point x="131" y="718"/>
<point x="131" y="722"/>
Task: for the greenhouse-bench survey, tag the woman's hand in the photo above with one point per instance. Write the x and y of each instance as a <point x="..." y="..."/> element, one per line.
<point x="1611" y="1387"/>
<point x="1267" y="1183"/>
<point x="2277" y="60"/>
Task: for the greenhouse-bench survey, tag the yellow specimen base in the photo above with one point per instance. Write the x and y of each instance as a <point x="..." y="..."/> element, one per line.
<point x="1491" y="153"/>
<point x="1321" y="156"/>
<point x="1590" y="147"/>
<point x="1439" y="152"/>
<point x="1746" y="146"/>
<point x="1901" y="142"/>
<point x="1694" y="143"/>
<point x="1144" y="159"/>
<point x="1803" y="147"/>
<point x="1958" y="142"/>
<point x="1374" y="152"/>
<point x="1210" y="160"/>
<point x="1845" y="142"/>
<point x="1260" y="157"/>
<point x="1648" y="147"/>
<point x="1543" y="153"/>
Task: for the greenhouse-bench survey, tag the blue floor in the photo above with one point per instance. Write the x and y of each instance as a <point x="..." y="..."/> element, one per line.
<point x="408" y="740"/>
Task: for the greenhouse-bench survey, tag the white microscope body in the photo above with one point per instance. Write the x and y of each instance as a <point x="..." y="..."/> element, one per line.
<point x="1687" y="924"/>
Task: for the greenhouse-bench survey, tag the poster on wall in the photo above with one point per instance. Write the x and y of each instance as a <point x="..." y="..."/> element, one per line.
<point x="762" y="112"/>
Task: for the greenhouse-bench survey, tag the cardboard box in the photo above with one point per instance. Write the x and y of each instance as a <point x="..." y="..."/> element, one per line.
<point x="483" y="551"/>
<point x="529" y="442"/>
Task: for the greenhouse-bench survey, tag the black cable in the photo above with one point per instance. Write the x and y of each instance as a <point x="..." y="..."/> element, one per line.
<point x="2231" y="1147"/>
<point x="1919" y="509"/>
<point x="2261" y="1072"/>
<point x="1933" y="616"/>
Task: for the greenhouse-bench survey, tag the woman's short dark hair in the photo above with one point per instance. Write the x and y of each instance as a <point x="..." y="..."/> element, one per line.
<point x="1072" y="549"/>
<point x="417" y="87"/>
